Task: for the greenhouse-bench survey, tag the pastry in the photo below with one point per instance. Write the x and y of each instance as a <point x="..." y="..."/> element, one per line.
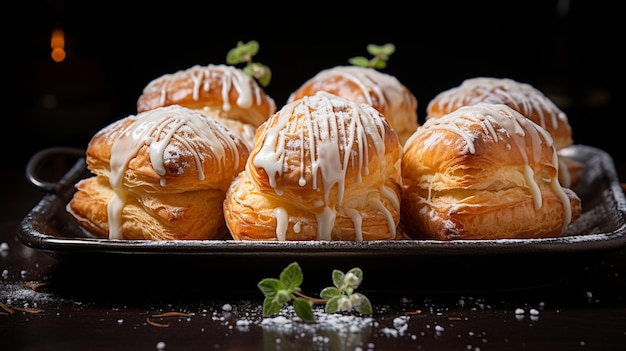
<point x="484" y="171"/>
<point x="322" y="168"/>
<point x="524" y="98"/>
<point x="367" y="85"/>
<point x="158" y="175"/>
<point x="222" y="92"/>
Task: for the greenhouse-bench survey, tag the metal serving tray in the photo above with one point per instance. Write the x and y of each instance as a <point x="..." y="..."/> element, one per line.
<point x="416" y="265"/>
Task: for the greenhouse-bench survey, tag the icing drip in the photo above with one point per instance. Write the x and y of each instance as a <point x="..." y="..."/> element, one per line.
<point x="156" y="129"/>
<point x="282" y="221"/>
<point x="358" y="223"/>
<point x="330" y="128"/>
<point x="495" y="119"/>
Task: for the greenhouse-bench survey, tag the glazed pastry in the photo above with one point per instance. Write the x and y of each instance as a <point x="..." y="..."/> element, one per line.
<point x="484" y="171"/>
<point x="369" y="86"/>
<point x="222" y="92"/>
<point x="323" y="168"/>
<point x="159" y="175"/>
<point x="522" y="97"/>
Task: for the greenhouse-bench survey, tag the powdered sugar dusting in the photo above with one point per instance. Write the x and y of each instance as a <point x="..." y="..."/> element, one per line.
<point x="382" y="91"/>
<point x="17" y="295"/>
<point x="337" y="135"/>
<point x="522" y="97"/>
<point x="159" y="129"/>
<point x="230" y="77"/>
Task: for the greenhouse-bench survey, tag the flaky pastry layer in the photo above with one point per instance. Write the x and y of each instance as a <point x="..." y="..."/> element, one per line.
<point x="222" y="92"/>
<point x="522" y="97"/>
<point x="484" y="171"/>
<point x="160" y="175"/>
<point x="323" y="168"/>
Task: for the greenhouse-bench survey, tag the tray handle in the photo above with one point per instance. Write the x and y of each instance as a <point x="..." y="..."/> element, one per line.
<point x="36" y="162"/>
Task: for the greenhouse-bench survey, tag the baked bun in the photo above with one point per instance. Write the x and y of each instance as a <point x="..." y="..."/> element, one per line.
<point x="522" y="97"/>
<point x="158" y="175"/>
<point x="369" y="86"/>
<point x="323" y="168"/>
<point x="484" y="171"/>
<point x="222" y="92"/>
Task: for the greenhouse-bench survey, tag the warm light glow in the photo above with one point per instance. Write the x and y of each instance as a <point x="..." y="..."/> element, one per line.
<point x="58" y="39"/>
<point x="57" y="43"/>
<point x="58" y="54"/>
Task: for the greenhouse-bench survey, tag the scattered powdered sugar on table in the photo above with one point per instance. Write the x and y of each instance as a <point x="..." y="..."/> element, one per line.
<point x="286" y="319"/>
<point x="17" y="295"/>
<point x="341" y="323"/>
<point x="286" y="331"/>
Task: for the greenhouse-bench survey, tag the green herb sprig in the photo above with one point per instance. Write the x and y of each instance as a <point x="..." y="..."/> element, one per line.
<point x="243" y="53"/>
<point x="381" y="55"/>
<point x="339" y="298"/>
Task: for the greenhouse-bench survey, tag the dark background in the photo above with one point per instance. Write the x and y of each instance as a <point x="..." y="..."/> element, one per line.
<point x="571" y="50"/>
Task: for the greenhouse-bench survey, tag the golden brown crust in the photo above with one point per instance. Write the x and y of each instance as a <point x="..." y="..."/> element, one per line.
<point x="368" y="86"/>
<point x="222" y="92"/>
<point x="522" y="97"/>
<point x="167" y="171"/>
<point x="323" y="168"/>
<point x="484" y="171"/>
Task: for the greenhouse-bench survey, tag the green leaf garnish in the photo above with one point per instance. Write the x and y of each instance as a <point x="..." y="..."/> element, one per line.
<point x="338" y="278"/>
<point x="338" y="298"/>
<point x="304" y="308"/>
<point x="361" y="303"/>
<point x="243" y="53"/>
<point x="292" y="276"/>
<point x="330" y="292"/>
<point x="332" y="305"/>
<point x="381" y="55"/>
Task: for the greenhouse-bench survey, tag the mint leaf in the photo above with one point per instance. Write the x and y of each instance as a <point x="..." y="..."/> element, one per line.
<point x="340" y="297"/>
<point x="354" y="277"/>
<point x="380" y="64"/>
<point x="292" y="276"/>
<point x="303" y="308"/>
<point x="259" y="71"/>
<point x="338" y="279"/>
<point x="332" y="305"/>
<point x="361" y="303"/>
<point x="243" y="53"/>
<point x="330" y="292"/>
<point x="381" y="55"/>
<point x="359" y="61"/>
<point x="269" y="286"/>
<point x="381" y="50"/>
<point x="270" y="306"/>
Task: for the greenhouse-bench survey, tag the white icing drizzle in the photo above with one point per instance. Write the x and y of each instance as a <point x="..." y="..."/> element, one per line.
<point x="499" y="118"/>
<point x="558" y="189"/>
<point x="282" y="222"/>
<point x="249" y="92"/>
<point x="296" y="227"/>
<point x="358" y="223"/>
<point x="522" y="97"/>
<point x="564" y="175"/>
<point x="374" y="86"/>
<point x="156" y="129"/>
<point x="327" y="125"/>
